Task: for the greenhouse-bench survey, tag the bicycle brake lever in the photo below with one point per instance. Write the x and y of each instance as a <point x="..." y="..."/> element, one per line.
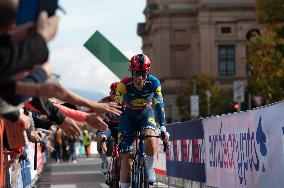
<point x="166" y="146"/>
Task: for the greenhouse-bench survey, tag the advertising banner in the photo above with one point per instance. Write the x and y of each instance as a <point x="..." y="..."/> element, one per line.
<point x="245" y="149"/>
<point x="269" y="124"/>
<point x="186" y="157"/>
<point x="160" y="159"/>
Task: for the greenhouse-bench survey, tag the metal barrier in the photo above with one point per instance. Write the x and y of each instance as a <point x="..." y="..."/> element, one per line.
<point x="1" y="153"/>
<point x="180" y="183"/>
<point x="15" y="172"/>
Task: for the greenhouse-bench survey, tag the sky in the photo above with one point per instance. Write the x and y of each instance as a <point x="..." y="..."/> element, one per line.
<point x="116" y="20"/>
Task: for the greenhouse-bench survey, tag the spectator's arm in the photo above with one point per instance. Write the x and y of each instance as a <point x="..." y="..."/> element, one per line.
<point x="37" y="75"/>
<point x="46" y="107"/>
<point x="74" y="114"/>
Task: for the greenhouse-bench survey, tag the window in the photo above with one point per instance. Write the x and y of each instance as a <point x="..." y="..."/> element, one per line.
<point x="225" y="30"/>
<point x="226" y="59"/>
<point x="181" y="62"/>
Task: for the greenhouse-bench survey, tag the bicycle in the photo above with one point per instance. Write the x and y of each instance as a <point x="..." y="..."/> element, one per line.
<point x="139" y="177"/>
<point x="113" y="177"/>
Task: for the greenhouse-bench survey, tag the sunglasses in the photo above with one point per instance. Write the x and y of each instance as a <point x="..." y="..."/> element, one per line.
<point x="140" y="73"/>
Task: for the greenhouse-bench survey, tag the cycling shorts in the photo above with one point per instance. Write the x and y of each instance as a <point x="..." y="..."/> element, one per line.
<point x="132" y="121"/>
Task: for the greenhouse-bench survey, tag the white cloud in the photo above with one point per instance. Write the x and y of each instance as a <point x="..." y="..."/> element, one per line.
<point x="81" y="70"/>
<point x="129" y="53"/>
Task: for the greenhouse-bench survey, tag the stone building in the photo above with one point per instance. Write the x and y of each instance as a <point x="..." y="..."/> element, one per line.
<point x="191" y="37"/>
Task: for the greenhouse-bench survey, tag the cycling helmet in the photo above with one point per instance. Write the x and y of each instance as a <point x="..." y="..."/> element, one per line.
<point x="113" y="86"/>
<point x="140" y="62"/>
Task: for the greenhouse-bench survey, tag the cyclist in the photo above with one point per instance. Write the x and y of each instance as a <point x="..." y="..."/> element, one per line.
<point x="102" y="136"/>
<point x="136" y="94"/>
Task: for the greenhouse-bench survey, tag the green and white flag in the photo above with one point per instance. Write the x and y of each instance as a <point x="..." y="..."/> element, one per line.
<point x="108" y="54"/>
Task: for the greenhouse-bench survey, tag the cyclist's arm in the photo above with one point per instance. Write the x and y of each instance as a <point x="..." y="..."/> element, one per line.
<point x="159" y="104"/>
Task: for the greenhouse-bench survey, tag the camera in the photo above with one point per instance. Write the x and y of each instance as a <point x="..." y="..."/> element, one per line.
<point x="28" y="10"/>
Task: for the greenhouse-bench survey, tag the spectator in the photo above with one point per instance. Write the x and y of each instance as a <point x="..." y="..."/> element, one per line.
<point x="58" y="144"/>
<point x="72" y="151"/>
<point x="24" y="46"/>
<point x="71" y="142"/>
<point x="86" y="142"/>
<point x="65" y="147"/>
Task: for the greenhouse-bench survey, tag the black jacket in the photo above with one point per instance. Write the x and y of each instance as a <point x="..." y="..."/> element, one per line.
<point x="15" y="57"/>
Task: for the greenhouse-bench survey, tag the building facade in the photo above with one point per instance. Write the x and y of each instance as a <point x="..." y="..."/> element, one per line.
<point x="185" y="38"/>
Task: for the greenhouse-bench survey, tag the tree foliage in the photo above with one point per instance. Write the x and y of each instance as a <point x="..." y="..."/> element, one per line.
<point x="265" y="55"/>
<point x="218" y="99"/>
<point x="270" y="11"/>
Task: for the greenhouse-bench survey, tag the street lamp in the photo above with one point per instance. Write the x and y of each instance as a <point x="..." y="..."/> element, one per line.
<point x="193" y="87"/>
<point x="248" y="77"/>
<point x="208" y="94"/>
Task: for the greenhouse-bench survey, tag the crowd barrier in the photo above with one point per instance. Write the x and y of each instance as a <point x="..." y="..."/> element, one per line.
<point x="1" y="153"/>
<point x="23" y="174"/>
<point x="235" y="150"/>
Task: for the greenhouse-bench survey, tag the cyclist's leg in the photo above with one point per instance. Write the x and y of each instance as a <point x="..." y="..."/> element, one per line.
<point x="126" y="146"/>
<point x="125" y="169"/>
<point x="102" y="148"/>
<point x="148" y="127"/>
<point x="113" y="139"/>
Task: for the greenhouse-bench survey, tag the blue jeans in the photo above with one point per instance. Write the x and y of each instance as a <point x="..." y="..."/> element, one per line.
<point x="72" y="154"/>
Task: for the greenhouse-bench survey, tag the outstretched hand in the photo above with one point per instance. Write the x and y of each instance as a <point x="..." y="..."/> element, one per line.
<point x="97" y="121"/>
<point x="71" y="129"/>
<point x="111" y="107"/>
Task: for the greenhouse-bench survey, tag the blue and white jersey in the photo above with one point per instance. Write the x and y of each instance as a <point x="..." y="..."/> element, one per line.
<point x="131" y="98"/>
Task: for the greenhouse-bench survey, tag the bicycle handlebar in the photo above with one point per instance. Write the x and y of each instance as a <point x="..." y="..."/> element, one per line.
<point x="165" y="143"/>
<point x="143" y="136"/>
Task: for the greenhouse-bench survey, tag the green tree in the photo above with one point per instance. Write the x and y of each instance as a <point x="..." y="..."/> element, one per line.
<point x="270" y="11"/>
<point x="219" y="98"/>
<point x="266" y="52"/>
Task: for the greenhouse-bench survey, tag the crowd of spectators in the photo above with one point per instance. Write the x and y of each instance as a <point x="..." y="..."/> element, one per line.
<point x="25" y="92"/>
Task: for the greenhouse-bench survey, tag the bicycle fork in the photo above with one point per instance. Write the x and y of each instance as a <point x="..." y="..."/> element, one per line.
<point x="138" y="161"/>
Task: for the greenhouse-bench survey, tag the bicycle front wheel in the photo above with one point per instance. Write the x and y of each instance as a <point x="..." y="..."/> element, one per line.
<point x="143" y="176"/>
<point x="115" y="173"/>
<point x="134" y="174"/>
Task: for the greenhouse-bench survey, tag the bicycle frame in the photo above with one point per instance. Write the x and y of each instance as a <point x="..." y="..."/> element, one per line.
<point x="115" y="152"/>
<point x="113" y="173"/>
<point x="139" y="176"/>
<point x="139" y="145"/>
